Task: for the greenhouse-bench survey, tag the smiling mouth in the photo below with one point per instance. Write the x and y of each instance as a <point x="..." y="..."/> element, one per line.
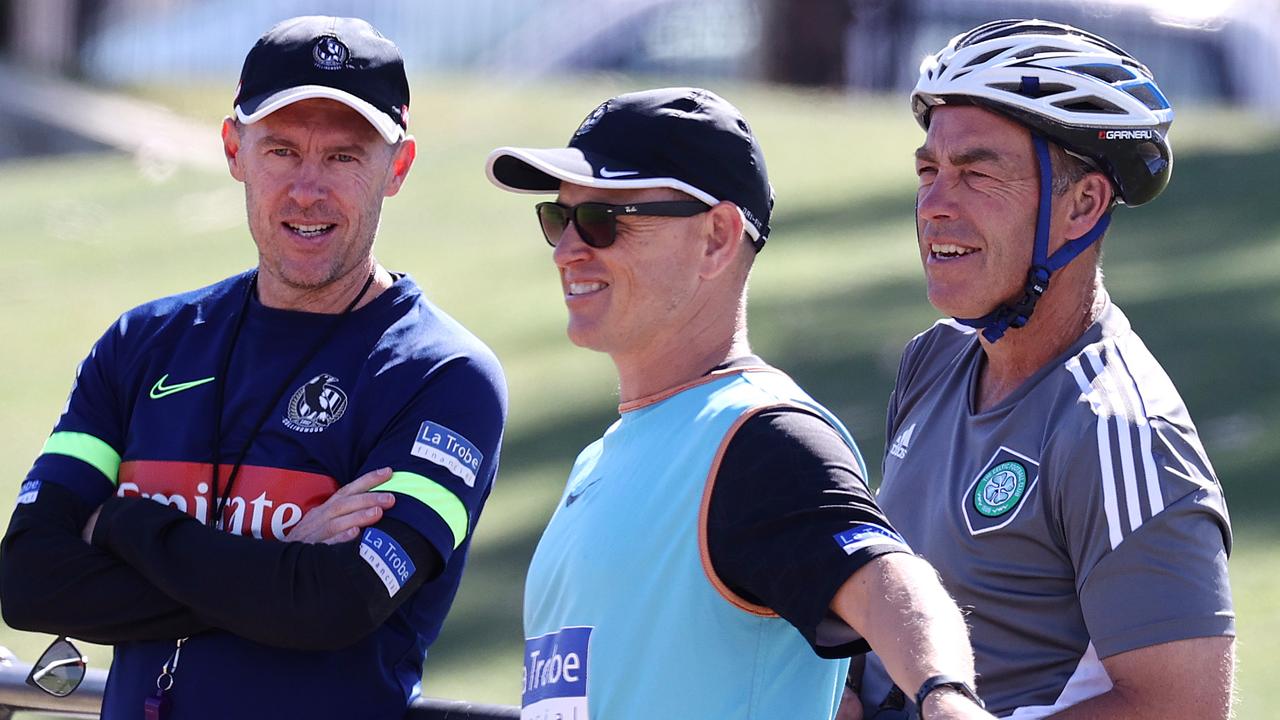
<point x="947" y="251"/>
<point x="577" y="289"/>
<point x="309" y="231"/>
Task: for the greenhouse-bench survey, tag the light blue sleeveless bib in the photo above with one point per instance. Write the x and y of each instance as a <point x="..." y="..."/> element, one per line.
<point x="622" y="619"/>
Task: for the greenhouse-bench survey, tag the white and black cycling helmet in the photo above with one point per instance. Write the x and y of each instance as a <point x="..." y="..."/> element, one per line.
<point x="1077" y="89"/>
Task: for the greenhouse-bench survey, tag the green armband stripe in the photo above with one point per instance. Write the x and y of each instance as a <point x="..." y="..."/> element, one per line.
<point x="433" y="495"/>
<point x="88" y="448"/>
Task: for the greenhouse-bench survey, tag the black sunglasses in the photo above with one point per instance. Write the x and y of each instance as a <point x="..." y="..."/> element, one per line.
<point x="597" y="223"/>
<point x="60" y="670"/>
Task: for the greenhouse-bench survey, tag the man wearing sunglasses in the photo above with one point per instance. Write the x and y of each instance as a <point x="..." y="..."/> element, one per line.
<point x="218" y="448"/>
<point x="716" y="553"/>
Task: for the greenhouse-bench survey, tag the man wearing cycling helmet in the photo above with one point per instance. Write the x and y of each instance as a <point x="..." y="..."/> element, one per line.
<point x="1038" y="455"/>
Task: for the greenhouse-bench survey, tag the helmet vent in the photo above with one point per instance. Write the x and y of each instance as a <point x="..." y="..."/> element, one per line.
<point x="1105" y="73"/>
<point x="1148" y="96"/>
<point x="1093" y="105"/>
<point x="984" y="57"/>
<point x="1037" y="50"/>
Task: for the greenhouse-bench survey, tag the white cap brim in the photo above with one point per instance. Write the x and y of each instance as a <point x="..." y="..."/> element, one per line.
<point x="389" y="129"/>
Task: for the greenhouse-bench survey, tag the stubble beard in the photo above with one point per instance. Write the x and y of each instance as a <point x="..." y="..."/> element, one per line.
<point x="342" y="265"/>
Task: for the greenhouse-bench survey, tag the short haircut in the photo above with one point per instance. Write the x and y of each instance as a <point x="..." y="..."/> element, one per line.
<point x="1068" y="169"/>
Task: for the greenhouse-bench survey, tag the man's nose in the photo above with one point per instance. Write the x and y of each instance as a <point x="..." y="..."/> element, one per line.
<point x="937" y="200"/>
<point x="570" y="248"/>
<point x="309" y="185"/>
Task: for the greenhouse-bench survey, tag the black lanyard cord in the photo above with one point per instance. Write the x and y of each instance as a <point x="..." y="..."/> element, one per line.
<point x="220" y="500"/>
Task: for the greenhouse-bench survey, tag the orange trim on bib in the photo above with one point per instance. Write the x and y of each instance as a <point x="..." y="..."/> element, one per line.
<point x="705" y="507"/>
<point x="713" y="375"/>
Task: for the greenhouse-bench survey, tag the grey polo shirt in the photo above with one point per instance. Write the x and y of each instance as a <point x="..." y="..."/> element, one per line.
<point x="1077" y="519"/>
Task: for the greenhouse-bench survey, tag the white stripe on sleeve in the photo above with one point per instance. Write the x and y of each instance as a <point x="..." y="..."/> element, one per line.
<point x="1104" y="452"/>
<point x="1155" y="495"/>
<point x="1124" y="438"/>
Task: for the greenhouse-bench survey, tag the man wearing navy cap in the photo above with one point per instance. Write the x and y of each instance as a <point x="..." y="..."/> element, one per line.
<point x="262" y="492"/>
<point x="716" y="554"/>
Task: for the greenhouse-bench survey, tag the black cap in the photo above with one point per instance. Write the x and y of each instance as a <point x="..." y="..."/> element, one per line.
<point x="343" y="59"/>
<point x="687" y="139"/>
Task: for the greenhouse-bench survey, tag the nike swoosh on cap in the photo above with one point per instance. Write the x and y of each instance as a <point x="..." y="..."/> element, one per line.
<point x="160" y="390"/>
<point x="607" y="173"/>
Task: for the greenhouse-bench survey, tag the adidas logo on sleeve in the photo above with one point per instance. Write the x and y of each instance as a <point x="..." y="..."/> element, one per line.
<point x="903" y="442"/>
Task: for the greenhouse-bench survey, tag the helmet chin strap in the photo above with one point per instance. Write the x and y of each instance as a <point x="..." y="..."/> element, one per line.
<point x="1016" y="314"/>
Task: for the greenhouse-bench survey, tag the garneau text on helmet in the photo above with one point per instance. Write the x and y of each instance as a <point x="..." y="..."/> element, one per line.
<point x="1124" y="134"/>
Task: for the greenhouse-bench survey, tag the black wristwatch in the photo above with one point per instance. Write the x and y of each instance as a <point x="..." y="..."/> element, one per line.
<point x="947" y="681"/>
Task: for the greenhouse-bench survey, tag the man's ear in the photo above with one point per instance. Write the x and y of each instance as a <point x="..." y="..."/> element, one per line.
<point x="1088" y="199"/>
<point x="400" y="164"/>
<point x="724" y="239"/>
<point x="231" y="145"/>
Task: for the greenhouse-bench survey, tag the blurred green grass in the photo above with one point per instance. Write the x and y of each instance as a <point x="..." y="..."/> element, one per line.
<point x="833" y="299"/>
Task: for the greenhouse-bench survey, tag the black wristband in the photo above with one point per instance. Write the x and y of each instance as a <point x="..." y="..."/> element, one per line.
<point x="948" y="681"/>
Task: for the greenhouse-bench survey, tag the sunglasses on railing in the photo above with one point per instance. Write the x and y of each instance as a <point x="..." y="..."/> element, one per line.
<point x="60" y="670"/>
<point x="597" y="223"/>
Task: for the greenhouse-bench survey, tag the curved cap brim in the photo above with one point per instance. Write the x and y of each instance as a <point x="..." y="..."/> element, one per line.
<point x="541" y="170"/>
<point x="254" y="109"/>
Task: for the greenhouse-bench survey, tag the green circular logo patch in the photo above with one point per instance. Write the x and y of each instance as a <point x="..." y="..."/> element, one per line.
<point x="1000" y="488"/>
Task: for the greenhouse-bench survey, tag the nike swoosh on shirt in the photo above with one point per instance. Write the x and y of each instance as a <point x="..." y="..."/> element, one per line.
<point x="607" y="173"/>
<point x="577" y="492"/>
<point x="160" y="390"/>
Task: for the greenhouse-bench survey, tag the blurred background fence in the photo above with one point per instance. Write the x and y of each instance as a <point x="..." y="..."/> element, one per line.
<point x="112" y="192"/>
<point x="1202" y="50"/>
<point x="1205" y="52"/>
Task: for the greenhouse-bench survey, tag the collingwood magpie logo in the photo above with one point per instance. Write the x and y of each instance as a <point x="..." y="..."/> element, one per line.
<point x="329" y="53"/>
<point x="592" y="119"/>
<point x="316" y="405"/>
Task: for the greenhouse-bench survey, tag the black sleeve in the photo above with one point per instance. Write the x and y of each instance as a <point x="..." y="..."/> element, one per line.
<point x="52" y="581"/>
<point x="291" y="595"/>
<point x="791" y="519"/>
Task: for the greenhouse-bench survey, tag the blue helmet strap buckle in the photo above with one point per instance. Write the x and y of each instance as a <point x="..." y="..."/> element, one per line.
<point x="1016" y="314"/>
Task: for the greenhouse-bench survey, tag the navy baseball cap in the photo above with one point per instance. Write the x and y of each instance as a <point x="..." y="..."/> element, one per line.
<point x="686" y="139"/>
<point x="343" y="59"/>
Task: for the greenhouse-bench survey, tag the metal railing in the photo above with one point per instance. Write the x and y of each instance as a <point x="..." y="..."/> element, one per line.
<point x="86" y="702"/>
